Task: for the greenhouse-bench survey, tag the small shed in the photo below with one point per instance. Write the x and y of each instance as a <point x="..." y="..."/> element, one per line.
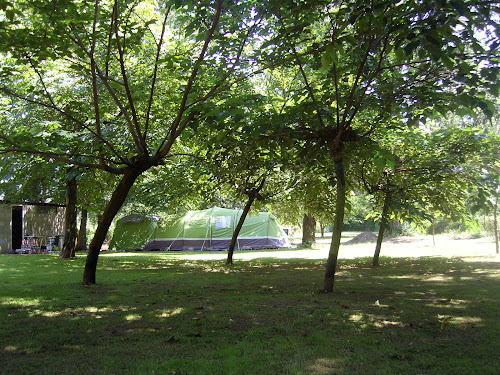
<point x="18" y="220"/>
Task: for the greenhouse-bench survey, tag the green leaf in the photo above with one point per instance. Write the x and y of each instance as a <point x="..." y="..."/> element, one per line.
<point x="325" y="61"/>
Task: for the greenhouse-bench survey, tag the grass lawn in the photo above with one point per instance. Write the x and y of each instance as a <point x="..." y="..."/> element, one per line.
<point x="187" y="313"/>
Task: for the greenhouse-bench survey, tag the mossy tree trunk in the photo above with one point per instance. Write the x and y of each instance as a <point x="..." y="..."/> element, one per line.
<point x="68" y="249"/>
<point x="308" y="230"/>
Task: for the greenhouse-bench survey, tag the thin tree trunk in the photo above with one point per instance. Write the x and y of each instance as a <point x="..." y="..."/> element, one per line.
<point x="331" y="264"/>
<point x="381" y="231"/>
<point x="114" y="205"/>
<point x="81" y="242"/>
<point x="322" y="226"/>
<point x="253" y="194"/>
<point x="68" y="249"/>
<point x="308" y="230"/>
<point x="433" y="230"/>
<point x="237" y="230"/>
<point x="495" y="224"/>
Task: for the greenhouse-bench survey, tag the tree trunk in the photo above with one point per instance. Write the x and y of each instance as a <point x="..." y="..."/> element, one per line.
<point x="331" y="264"/>
<point x="114" y="205"/>
<point x="495" y="223"/>
<point x="308" y="230"/>
<point x="237" y="230"/>
<point x="68" y="249"/>
<point x="81" y="242"/>
<point x="381" y="231"/>
<point x="322" y="226"/>
<point x="433" y="230"/>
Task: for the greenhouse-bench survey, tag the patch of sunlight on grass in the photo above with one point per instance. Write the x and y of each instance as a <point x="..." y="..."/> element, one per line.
<point x="133" y="317"/>
<point x="124" y="254"/>
<point x="47" y="314"/>
<point x="439" y="278"/>
<point x="449" y="303"/>
<point x="11" y="349"/>
<point x="356" y="318"/>
<point x="278" y="254"/>
<point x="374" y="320"/>
<point x="24" y="302"/>
<point x="494" y="259"/>
<point x="323" y="366"/>
<point x="488" y="273"/>
<point x="167" y="313"/>
<point x="402" y="277"/>
<point x="460" y="320"/>
<point x="384" y="323"/>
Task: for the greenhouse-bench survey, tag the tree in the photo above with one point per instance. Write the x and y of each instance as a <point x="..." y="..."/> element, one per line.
<point x="385" y="61"/>
<point x="81" y="240"/>
<point x="434" y="171"/>
<point x="244" y="163"/>
<point x="69" y="245"/>
<point x="115" y="83"/>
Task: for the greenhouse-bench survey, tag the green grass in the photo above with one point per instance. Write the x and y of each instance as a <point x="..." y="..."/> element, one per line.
<point x="160" y="313"/>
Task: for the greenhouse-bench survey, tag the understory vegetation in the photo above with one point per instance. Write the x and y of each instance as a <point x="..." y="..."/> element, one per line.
<point x="170" y="313"/>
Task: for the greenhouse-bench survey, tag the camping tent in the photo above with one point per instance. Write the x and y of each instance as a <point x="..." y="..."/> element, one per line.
<point x="132" y="232"/>
<point x="213" y="228"/>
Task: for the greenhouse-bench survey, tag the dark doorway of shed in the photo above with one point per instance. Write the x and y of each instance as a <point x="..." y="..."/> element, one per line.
<point x="17" y="227"/>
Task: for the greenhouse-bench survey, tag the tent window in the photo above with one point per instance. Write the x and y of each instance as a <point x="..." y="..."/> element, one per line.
<point x="222" y="222"/>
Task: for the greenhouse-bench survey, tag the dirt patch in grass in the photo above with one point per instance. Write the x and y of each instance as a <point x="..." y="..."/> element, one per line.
<point x="365" y="237"/>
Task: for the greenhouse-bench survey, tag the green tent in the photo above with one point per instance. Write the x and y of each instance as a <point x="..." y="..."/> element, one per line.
<point x="133" y="232"/>
<point x="213" y="228"/>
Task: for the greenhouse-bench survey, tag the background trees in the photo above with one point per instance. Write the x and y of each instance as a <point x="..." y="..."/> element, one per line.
<point x="123" y="87"/>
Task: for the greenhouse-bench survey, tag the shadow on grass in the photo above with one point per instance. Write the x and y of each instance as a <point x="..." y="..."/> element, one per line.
<point x="156" y="313"/>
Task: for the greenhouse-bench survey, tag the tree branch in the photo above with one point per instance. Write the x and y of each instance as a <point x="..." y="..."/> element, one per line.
<point x="110" y="90"/>
<point x="141" y="146"/>
<point x="174" y="132"/>
<point x="155" y="73"/>
<point x="95" y="94"/>
<point x="301" y="68"/>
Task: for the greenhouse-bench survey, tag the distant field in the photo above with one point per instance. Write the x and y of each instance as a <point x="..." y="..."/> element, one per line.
<point x="402" y="246"/>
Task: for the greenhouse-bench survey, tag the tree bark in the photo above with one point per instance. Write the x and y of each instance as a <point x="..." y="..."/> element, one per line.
<point x="495" y="224"/>
<point x="81" y="242"/>
<point x="381" y="231"/>
<point x="331" y="264"/>
<point x="308" y="230"/>
<point x="114" y="205"/>
<point x="237" y="230"/>
<point x="68" y="249"/>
